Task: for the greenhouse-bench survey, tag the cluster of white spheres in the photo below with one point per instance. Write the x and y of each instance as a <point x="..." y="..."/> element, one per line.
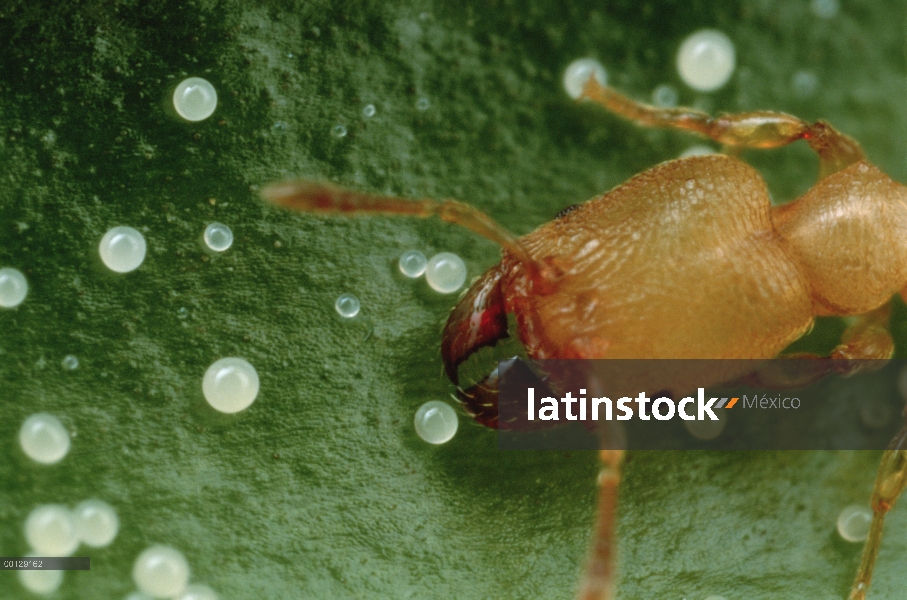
<point x="195" y="99"/>
<point x="230" y="384"/>
<point x="706" y="60"/>
<point x="347" y="305"/>
<point x="44" y="439"/>
<point x="412" y="263"/>
<point x="54" y="530"/>
<point x="13" y="287"/>
<point x="436" y="422"/>
<point x="445" y="272"/>
<point x="579" y="72"/>
<point x="161" y="572"/>
<point x="122" y="249"/>
<point x="853" y="522"/>
<point x="218" y="237"/>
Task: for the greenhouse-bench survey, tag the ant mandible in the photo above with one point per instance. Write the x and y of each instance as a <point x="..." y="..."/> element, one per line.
<point x="688" y="259"/>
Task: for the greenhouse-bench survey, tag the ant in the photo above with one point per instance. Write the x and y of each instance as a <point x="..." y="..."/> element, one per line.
<point x="604" y="279"/>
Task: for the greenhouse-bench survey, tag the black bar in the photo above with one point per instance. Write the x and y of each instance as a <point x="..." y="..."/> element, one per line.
<point x="45" y="563"/>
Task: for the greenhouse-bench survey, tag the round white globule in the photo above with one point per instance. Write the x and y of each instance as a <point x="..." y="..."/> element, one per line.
<point x="445" y="272"/>
<point x="578" y="73"/>
<point x="347" y="306"/>
<point x="706" y="60"/>
<point x="195" y="99"/>
<point x="41" y="581"/>
<point x="70" y="362"/>
<point x="198" y="591"/>
<point x="902" y="383"/>
<point x="218" y="237"/>
<point x="853" y="522"/>
<point x="44" y="439"/>
<point x="664" y="96"/>
<point x="805" y="83"/>
<point x="13" y="287"/>
<point x="230" y="384"/>
<point x="368" y="111"/>
<point x="50" y="530"/>
<point x="824" y="9"/>
<point x="698" y="150"/>
<point x="875" y="412"/>
<point x="338" y="131"/>
<point x="412" y="263"/>
<point x="96" y="522"/>
<point x="706" y="429"/>
<point x="122" y="249"/>
<point x="161" y="572"/>
<point x="436" y="422"/>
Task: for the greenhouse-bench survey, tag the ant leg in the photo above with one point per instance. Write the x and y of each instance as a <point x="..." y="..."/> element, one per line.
<point x="599" y="580"/>
<point x="890" y="482"/>
<point x="309" y="196"/>
<point x="758" y="129"/>
<point x="866" y="345"/>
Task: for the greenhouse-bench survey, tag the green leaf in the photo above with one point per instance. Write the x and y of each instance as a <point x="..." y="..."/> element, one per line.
<point x="321" y="489"/>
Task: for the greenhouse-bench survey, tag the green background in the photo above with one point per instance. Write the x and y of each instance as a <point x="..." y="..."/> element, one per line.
<point x="321" y="489"/>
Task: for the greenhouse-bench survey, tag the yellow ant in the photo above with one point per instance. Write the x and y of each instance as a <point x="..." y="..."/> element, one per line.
<point x="601" y="278"/>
